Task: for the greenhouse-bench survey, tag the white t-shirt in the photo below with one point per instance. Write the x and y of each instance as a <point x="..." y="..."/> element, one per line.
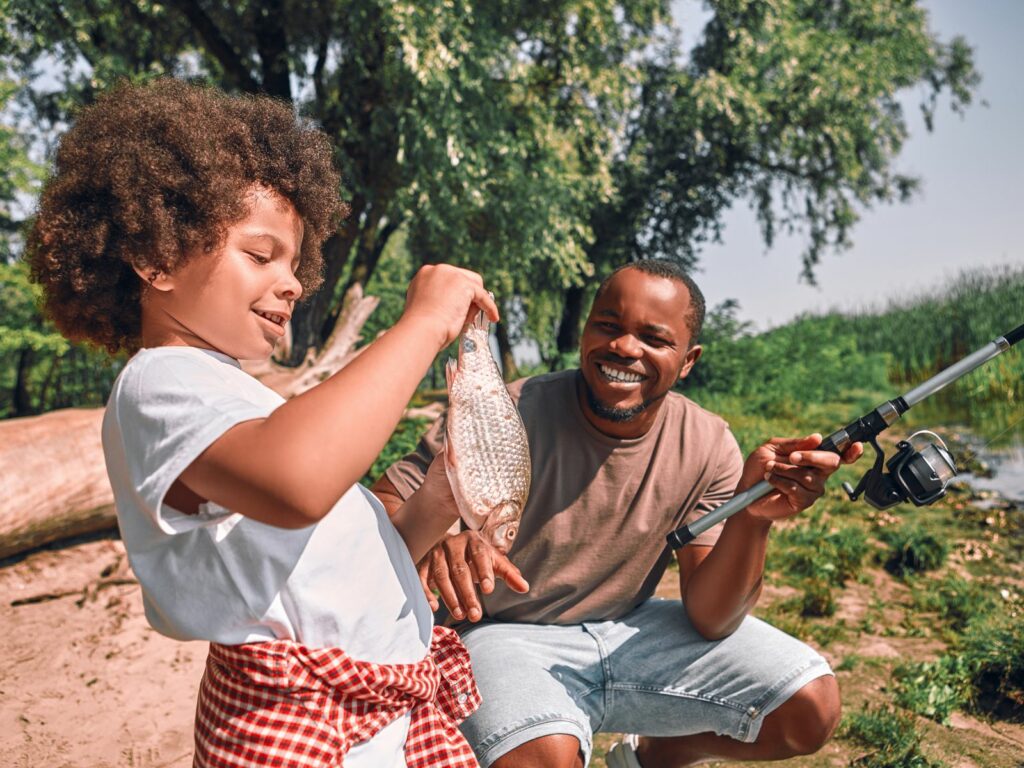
<point x="346" y="582"/>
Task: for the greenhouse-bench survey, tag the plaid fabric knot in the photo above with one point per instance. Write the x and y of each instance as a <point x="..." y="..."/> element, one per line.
<point x="280" y="703"/>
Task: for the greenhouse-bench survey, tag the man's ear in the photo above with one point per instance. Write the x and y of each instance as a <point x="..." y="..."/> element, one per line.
<point x="692" y="356"/>
<point x="161" y="281"/>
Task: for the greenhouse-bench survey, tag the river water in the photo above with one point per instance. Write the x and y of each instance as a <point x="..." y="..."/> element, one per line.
<point x="1007" y="464"/>
<point x="993" y="432"/>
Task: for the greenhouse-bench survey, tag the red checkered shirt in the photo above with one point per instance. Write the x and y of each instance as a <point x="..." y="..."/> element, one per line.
<point x="280" y="703"/>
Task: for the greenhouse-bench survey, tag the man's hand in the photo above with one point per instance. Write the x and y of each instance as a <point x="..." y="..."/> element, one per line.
<point x="795" y="470"/>
<point x="457" y="565"/>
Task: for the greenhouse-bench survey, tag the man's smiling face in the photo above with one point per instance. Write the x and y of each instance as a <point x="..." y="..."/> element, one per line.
<point x="635" y="346"/>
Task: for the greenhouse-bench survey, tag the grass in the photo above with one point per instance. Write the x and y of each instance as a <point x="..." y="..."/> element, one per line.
<point x="890" y="737"/>
<point x="933" y="689"/>
<point x="913" y="549"/>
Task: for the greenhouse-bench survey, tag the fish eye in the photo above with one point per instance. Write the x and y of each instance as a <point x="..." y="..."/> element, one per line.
<point x="470" y="345"/>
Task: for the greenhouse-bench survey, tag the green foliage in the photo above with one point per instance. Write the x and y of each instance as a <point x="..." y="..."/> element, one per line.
<point x="402" y="441"/>
<point x="993" y="653"/>
<point x="19" y="176"/>
<point x="541" y="144"/>
<point x="815" y="550"/>
<point x="913" y="549"/>
<point x="778" y="372"/>
<point x="891" y="737"/>
<point x="849" y="663"/>
<point x="39" y="369"/>
<point x="389" y="283"/>
<point x="934" y="689"/>
<point x="955" y="600"/>
<point x="783" y="370"/>
<point x="818" y="600"/>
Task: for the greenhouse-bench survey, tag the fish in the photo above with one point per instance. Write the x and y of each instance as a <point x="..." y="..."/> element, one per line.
<point x="487" y="454"/>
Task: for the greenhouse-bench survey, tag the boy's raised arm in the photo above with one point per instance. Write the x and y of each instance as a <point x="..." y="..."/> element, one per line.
<point x="291" y="468"/>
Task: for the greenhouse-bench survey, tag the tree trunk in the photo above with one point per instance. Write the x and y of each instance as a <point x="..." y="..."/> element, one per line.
<point x="509" y="369"/>
<point x="53" y="481"/>
<point x="568" y="339"/>
<point x="22" y="403"/>
<point x="308" y="317"/>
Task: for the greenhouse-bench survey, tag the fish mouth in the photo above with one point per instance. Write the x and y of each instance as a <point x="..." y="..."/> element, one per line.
<point x="502" y="537"/>
<point x="502" y="526"/>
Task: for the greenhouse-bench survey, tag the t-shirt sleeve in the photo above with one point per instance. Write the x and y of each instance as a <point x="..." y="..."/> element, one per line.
<point x="407" y="473"/>
<point x="169" y="410"/>
<point x="722" y="488"/>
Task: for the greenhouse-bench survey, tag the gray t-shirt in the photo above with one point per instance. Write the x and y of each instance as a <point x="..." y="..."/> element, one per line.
<point x="592" y="539"/>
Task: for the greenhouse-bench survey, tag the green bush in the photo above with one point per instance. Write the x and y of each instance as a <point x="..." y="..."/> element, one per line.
<point x="993" y="653"/>
<point x="913" y="549"/>
<point x="934" y="689"/>
<point x="403" y="440"/>
<point x="780" y="372"/>
<point x="814" y="550"/>
<point x="818" y="600"/>
<point x="955" y="600"/>
<point x="891" y="737"/>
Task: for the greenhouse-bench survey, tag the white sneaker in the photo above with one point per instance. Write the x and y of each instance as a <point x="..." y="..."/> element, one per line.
<point x="623" y="753"/>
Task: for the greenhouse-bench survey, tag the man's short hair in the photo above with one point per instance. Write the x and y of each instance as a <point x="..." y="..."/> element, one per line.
<point x="672" y="271"/>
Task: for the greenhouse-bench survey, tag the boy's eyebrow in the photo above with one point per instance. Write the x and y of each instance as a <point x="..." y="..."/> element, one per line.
<point x="260" y="235"/>
<point x="256" y="234"/>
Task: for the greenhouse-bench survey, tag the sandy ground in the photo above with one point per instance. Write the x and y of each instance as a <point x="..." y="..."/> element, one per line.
<point x="84" y="681"/>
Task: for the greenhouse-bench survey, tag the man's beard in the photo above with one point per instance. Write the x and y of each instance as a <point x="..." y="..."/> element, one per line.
<point x="610" y="412"/>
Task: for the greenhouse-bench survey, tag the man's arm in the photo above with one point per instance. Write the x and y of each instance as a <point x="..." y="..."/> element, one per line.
<point x="719" y="585"/>
<point x="424" y="518"/>
<point x="458" y="564"/>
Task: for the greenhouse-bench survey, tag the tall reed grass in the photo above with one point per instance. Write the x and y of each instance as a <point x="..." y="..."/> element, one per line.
<point x="818" y="357"/>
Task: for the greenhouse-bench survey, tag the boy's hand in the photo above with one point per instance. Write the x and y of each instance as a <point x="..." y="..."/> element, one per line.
<point x="795" y="470"/>
<point x="446" y="298"/>
<point x="457" y="565"/>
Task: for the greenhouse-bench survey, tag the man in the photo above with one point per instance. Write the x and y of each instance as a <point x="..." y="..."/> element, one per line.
<point x="619" y="461"/>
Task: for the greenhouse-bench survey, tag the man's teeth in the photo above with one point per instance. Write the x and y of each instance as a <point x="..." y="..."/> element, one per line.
<point x="621" y="376"/>
<point x="279" y="319"/>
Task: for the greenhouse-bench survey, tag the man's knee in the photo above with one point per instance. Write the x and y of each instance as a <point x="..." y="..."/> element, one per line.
<point x="810" y="717"/>
<point x="559" y="750"/>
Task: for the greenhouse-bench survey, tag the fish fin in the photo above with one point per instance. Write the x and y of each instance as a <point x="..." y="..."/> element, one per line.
<point x="450" y="369"/>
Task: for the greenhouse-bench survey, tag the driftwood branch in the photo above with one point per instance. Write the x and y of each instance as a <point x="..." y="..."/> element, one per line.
<point x="331" y="358"/>
<point x="53" y="482"/>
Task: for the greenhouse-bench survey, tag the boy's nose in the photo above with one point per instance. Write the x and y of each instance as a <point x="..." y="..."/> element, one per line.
<point x="290" y="288"/>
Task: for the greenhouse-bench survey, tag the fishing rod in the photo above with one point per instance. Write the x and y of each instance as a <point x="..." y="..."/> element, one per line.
<point x="920" y="470"/>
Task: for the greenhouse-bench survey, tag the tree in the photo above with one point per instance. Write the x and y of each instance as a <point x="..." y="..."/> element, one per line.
<point x="541" y="143"/>
<point x="441" y="122"/>
<point x="792" y="104"/>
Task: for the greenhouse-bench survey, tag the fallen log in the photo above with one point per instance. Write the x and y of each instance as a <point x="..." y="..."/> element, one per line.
<point x="53" y="482"/>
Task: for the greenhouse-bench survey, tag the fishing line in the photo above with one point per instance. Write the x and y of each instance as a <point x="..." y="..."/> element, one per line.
<point x="971" y="453"/>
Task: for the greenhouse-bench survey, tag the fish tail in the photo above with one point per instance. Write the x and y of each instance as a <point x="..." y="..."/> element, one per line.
<point x="480" y="321"/>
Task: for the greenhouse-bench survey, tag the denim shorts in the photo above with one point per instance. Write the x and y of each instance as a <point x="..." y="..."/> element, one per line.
<point x="649" y="673"/>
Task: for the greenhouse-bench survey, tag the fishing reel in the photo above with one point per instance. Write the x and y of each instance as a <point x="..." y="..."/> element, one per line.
<point x="919" y="472"/>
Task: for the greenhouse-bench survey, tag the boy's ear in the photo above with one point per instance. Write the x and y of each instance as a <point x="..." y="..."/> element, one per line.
<point x="154" y="277"/>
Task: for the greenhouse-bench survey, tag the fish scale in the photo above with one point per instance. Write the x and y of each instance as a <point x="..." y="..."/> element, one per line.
<point x="487" y="457"/>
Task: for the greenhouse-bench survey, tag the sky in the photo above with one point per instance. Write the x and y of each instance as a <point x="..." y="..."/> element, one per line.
<point x="968" y="213"/>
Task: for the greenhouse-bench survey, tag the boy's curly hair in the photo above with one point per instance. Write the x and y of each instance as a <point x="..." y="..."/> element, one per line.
<point x="148" y="176"/>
